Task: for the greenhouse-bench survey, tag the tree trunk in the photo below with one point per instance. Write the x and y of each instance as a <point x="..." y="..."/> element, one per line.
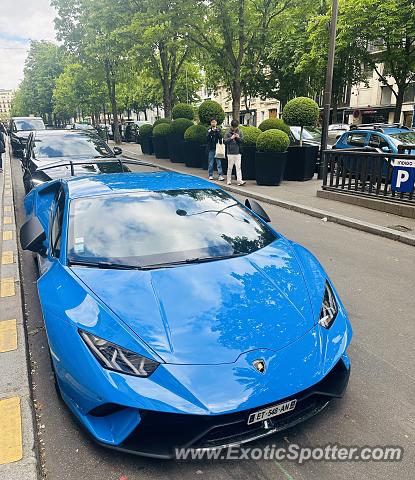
<point x="399" y="102"/>
<point x="236" y="97"/>
<point x="113" y="101"/>
<point x="167" y="100"/>
<point x="145" y="115"/>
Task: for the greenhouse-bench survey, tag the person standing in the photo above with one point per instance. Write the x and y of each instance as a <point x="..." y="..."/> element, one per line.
<point x="213" y="137"/>
<point x="2" y="149"/>
<point x="233" y="141"/>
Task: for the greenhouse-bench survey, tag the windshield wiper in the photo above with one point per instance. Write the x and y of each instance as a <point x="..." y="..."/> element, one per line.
<point x="188" y="261"/>
<point x="105" y="265"/>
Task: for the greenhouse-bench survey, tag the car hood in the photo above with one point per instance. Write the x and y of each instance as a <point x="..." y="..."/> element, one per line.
<point x="210" y="313"/>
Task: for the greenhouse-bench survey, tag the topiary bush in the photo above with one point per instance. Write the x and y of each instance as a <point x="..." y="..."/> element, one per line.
<point x="273" y="141"/>
<point x="179" y="126"/>
<point x="162" y="130"/>
<point x="183" y="110"/>
<point x="275" y="124"/>
<point x="250" y="134"/>
<point x="210" y="109"/>
<point x="196" y="134"/>
<point x="301" y="112"/>
<point x="161" y="120"/>
<point x="145" y="130"/>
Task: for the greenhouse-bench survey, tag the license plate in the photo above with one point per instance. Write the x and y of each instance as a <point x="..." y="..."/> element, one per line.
<point x="270" y="412"/>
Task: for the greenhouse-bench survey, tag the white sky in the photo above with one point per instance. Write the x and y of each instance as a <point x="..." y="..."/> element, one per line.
<point x="21" y="21"/>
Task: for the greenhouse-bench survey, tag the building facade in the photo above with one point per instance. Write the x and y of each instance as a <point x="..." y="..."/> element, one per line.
<point x="5" y="104"/>
<point x="374" y="102"/>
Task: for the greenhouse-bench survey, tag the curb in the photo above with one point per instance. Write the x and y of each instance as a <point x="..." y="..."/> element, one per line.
<point x="367" y="227"/>
<point x="18" y="446"/>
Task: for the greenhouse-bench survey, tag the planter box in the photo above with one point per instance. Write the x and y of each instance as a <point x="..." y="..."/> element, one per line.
<point x="205" y="160"/>
<point x="248" y="162"/>
<point x="301" y="163"/>
<point x="160" y="147"/>
<point x="194" y="154"/>
<point x="175" y="146"/>
<point x="146" y="145"/>
<point x="269" y="167"/>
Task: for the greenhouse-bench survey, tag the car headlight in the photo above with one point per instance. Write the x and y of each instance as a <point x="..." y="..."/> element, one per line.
<point x="114" y="357"/>
<point x="329" y="309"/>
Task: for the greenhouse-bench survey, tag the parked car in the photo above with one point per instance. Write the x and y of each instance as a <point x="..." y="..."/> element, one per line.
<point x="80" y="126"/>
<point x="311" y="136"/>
<point x="336" y="130"/>
<point x="59" y="148"/>
<point x="20" y="129"/>
<point x="176" y="316"/>
<point x="385" y="137"/>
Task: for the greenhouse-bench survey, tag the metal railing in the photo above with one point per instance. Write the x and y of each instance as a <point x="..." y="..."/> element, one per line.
<point x="365" y="172"/>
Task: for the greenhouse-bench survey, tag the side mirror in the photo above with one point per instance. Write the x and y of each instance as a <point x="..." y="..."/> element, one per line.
<point x="257" y="209"/>
<point x="32" y="236"/>
<point x="117" y="150"/>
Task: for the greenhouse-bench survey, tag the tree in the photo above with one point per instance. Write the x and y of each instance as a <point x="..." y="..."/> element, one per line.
<point x="236" y="38"/>
<point x="91" y="31"/>
<point x="160" y="45"/>
<point x="78" y="93"/>
<point x="43" y="66"/>
<point x="384" y="34"/>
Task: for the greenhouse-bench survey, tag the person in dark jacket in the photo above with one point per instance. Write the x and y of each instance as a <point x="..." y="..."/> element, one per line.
<point x="2" y="149"/>
<point x="213" y="137"/>
<point x="233" y="141"/>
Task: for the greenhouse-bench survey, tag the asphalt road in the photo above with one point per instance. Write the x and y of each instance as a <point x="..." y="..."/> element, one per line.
<point x="376" y="279"/>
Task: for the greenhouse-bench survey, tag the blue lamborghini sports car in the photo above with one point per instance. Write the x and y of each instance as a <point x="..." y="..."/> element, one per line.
<point x="176" y="316"/>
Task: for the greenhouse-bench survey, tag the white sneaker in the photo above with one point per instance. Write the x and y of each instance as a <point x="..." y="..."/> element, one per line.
<point x="210" y="178"/>
<point x="241" y="183"/>
<point x="229" y="183"/>
<point x="221" y="178"/>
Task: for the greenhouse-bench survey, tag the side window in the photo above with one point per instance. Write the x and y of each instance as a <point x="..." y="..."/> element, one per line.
<point x="376" y="141"/>
<point x="356" y="139"/>
<point x="56" y="225"/>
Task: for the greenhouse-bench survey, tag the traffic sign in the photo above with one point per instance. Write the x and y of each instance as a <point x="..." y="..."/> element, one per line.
<point x="403" y="175"/>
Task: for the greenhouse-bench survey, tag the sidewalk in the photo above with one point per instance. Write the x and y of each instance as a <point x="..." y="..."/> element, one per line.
<point x="17" y="437"/>
<point x="301" y="197"/>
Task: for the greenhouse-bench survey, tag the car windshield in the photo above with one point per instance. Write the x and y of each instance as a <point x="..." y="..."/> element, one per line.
<point x="403" y="138"/>
<point x="152" y="228"/>
<point x="70" y="145"/>
<point x="309" y="133"/>
<point x="27" y="124"/>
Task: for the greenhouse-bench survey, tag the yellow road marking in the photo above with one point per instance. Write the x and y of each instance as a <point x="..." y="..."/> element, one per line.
<point x="7" y="235"/>
<point x="7" y="257"/>
<point x="7" y="208"/>
<point x="11" y="449"/>
<point x="7" y="287"/>
<point x="7" y="220"/>
<point x="8" y="335"/>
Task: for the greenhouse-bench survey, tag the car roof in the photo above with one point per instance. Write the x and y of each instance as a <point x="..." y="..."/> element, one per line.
<point x="384" y="130"/>
<point x="26" y="118"/>
<point x="95" y="185"/>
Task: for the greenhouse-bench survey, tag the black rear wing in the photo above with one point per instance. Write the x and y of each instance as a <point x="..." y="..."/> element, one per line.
<point x="96" y="161"/>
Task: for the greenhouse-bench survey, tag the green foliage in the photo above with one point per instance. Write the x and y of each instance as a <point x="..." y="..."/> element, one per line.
<point x="146" y="130"/>
<point x="183" y="110"/>
<point x="210" y="109"/>
<point x="180" y="125"/>
<point x="196" y="134"/>
<point x="160" y="121"/>
<point x="162" y="130"/>
<point x="274" y="123"/>
<point x="44" y="64"/>
<point x="273" y="141"/>
<point x="301" y="112"/>
<point x="250" y="134"/>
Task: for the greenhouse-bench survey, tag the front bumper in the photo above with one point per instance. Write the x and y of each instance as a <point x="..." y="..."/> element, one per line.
<point x="160" y="433"/>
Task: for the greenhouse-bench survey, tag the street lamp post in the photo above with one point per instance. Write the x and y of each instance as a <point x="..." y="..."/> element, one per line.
<point x="329" y="80"/>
